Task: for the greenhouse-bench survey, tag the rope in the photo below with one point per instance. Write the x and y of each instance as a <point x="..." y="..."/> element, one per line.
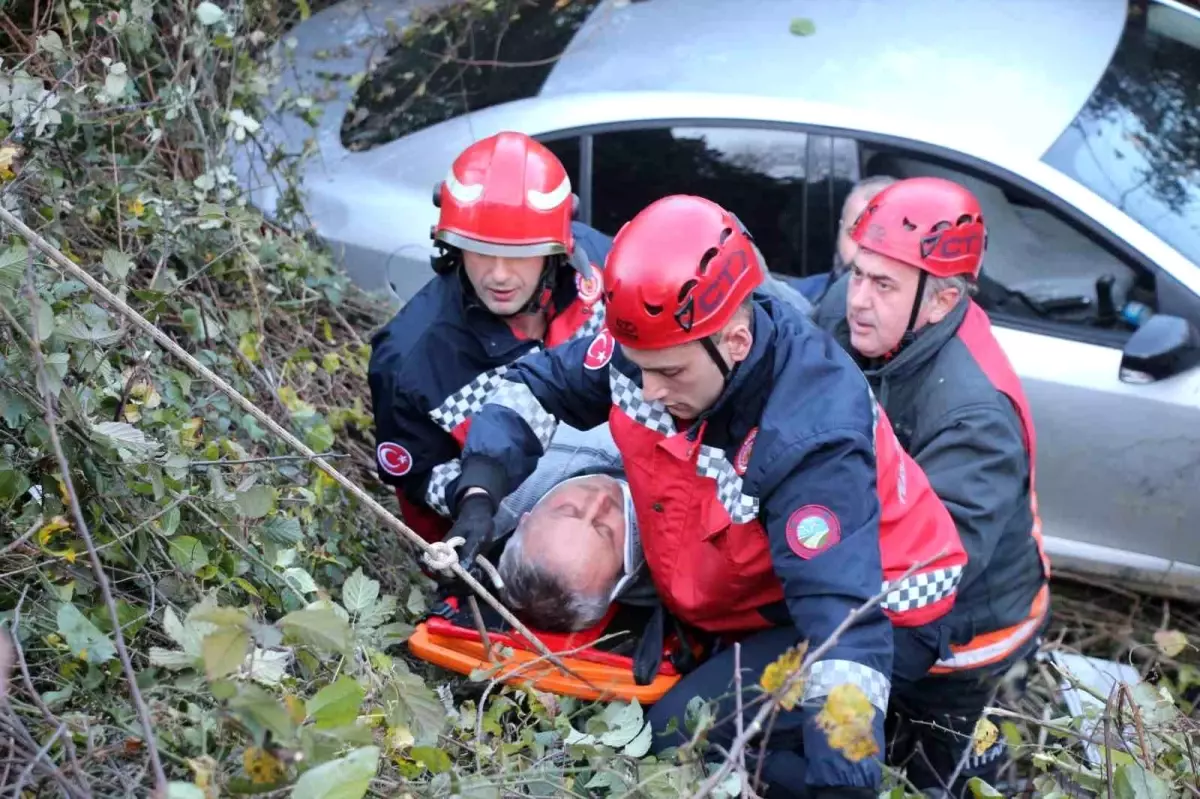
<point x="437" y="551"/>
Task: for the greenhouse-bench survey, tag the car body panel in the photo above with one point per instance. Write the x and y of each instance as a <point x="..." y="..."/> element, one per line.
<point x="1021" y="67"/>
<point x="1127" y="444"/>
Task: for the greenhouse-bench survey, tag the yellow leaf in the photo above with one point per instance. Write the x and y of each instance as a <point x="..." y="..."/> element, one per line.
<point x="327" y="331"/>
<point x="248" y="346"/>
<point x="985" y="736"/>
<point x="331" y="362"/>
<point x="137" y="208"/>
<point x="295" y="708"/>
<point x="848" y="721"/>
<point x="204" y="767"/>
<point x="47" y="530"/>
<point x="69" y="555"/>
<point x="1170" y="642"/>
<point x="261" y="766"/>
<point x="776" y="674"/>
<point x="189" y="433"/>
<point x="400" y="738"/>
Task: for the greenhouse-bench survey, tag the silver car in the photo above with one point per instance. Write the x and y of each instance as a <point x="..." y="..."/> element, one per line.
<point x="1076" y="122"/>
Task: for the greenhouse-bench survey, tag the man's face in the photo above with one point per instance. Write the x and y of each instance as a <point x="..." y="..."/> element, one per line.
<point x="684" y="378"/>
<point x="879" y="302"/>
<point x="854" y="205"/>
<point x="503" y="284"/>
<point x="577" y="531"/>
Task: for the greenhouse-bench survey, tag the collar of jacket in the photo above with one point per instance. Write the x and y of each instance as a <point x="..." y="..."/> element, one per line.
<point x="925" y="346"/>
<point x="747" y="373"/>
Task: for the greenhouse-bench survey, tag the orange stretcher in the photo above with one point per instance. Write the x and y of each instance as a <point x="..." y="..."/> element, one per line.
<point x="448" y="637"/>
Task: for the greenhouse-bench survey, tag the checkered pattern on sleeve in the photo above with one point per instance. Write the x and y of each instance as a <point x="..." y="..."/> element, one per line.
<point x="921" y="589"/>
<point x="828" y="674"/>
<point x="519" y="398"/>
<point x="627" y="395"/>
<point x="462" y="404"/>
<point x="592" y="326"/>
<point x="440" y="478"/>
<point x="713" y="463"/>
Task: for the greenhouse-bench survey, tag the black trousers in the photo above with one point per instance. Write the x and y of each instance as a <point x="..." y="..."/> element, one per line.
<point x="785" y="767"/>
<point x="931" y="725"/>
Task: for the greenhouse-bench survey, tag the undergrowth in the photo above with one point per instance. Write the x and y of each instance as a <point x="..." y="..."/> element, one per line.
<point x="263" y="609"/>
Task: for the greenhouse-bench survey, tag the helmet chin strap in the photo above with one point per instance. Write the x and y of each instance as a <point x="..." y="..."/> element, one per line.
<point x="909" y="334"/>
<point x="711" y="348"/>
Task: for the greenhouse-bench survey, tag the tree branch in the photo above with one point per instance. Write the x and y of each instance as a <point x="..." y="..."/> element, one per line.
<point x="64" y="467"/>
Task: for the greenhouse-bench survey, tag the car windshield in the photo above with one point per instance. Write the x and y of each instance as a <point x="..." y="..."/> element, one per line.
<point x="463" y="57"/>
<point x="1137" y="140"/>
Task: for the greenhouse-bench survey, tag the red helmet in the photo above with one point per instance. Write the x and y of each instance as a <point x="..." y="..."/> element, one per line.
<point x="930" y="223"/>
<point x="506" y="195"/>
<point x="676" y="273"/>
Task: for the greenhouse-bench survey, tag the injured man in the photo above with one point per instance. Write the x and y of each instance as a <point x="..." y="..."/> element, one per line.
<point x="574" y="547"/>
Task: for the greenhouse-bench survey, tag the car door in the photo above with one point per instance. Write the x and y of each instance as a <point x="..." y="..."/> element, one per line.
<point x="1118" y="460"/>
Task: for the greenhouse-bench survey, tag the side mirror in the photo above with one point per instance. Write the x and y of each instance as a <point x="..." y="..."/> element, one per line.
<point x="1162" y="347"/>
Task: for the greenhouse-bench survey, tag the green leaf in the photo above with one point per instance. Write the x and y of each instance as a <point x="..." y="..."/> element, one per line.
<point x="43" y="320"/>
<point x="640" y="744"/>
<point x="802" y="26"/>
<point x="410" y="703"/>
<point x="434" y="759"/>
<point x="981" y="790"/>
<point x="169" y="522"/>
<point x="256" y="502"/>
<point x="300" y="579"/>
<point x="188" y="553"/>
<point x="117" y="263"/>
<point x="1131" y="781"/>
<point x="125" y="438"/>
<point x="624" y="723"/>
<point x="416" y="601"/>
<point x="12" y="482"/>
<point x="209" y="13"/>
<point x="184" y="790"/>
<point x="261" y="712"/>
<point x="282" y="530"/>
<point x="84" y="638"/>
<point x="12" y="267"/>
<point x="321" y="628"/>
<point x="336" y="704"/>
<point x="345" y="778"/>
<point x="224" y="651"/>
<point x="359" y="592"/>
<point x="320" y="438"/>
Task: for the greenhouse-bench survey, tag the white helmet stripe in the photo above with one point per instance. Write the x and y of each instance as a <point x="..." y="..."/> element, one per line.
<point x="547" y="201"/>
<point x="462" y="192"/>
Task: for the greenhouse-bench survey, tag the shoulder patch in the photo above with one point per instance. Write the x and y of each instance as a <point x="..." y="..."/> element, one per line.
<point x="589" y="288"/>
<point x="600" y="351"/>
<point x="393" y="459"/>
<point x="742" y="461"/>
<point x="812" y="529"/>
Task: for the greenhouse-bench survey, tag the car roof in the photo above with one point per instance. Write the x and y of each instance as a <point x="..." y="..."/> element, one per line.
<point x="1023" y="68"/>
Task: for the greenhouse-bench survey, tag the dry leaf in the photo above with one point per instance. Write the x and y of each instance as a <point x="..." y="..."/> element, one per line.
<point x="848" y="721"/>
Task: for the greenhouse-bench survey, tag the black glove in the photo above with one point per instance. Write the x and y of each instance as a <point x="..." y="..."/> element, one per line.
<point x="475" y="524"/>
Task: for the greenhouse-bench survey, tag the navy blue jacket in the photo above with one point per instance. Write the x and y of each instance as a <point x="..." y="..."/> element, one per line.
<point x="436" y="361"/>
<point x="813" y="449"/>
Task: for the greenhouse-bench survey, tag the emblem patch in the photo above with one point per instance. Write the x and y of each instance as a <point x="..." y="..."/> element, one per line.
<point x="393" y="459"/>
<point x="742" y="461"/>
<point x="589" y="288"/>
<point x="811" y="530"/>
<point x="600" y="351"/>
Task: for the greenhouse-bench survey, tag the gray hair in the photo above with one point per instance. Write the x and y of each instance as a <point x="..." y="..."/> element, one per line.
<point x="867" y="188"/>
<point x="963" y="284"/>
<point x="540" y="597"/>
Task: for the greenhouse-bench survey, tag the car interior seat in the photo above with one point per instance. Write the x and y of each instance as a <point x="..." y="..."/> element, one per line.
<point x="1031" y="254"/>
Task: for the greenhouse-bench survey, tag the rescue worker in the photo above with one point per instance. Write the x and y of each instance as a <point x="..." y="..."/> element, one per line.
<point x="752" y="448"/>
<point x="513" y="274"/>
<point x="904" y="311"/>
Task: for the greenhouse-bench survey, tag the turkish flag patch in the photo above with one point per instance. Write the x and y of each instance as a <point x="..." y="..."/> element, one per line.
<point x="812" y="529"/>
<point x="600" y="351"/>
<point x="393" y="459"/>
<point x="588" y="288"/>
<point x="742" y="460"/>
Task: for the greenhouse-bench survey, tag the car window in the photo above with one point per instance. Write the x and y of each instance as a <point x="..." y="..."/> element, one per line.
<point x="1038" y="266"/>
<point x="1136" y="142"/>
<point x="762" y="175"/>
<point x="460" y="58"/>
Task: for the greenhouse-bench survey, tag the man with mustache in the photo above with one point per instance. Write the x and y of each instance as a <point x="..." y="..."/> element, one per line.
<point x="905" y="313"/>
<point x="753" y="450"/>
<point x="514" y="274"/>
